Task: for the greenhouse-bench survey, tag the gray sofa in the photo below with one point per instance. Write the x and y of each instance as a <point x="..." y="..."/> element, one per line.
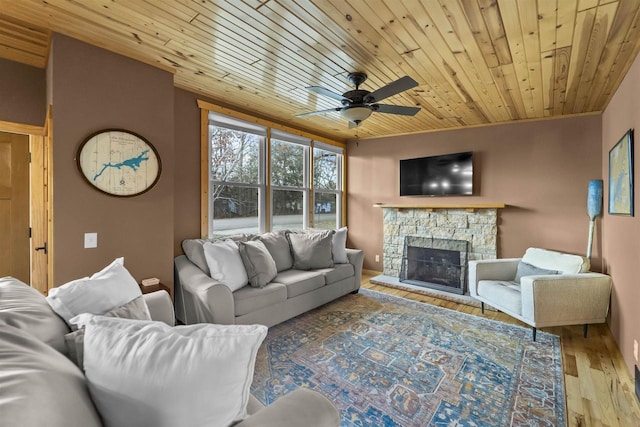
<point x="40" y="386"/>
<point x="201" y="299"/>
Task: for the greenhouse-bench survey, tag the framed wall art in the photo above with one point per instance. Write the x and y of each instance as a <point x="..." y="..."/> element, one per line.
<point x="119" y="162"/>
<point x="621" y="176"/>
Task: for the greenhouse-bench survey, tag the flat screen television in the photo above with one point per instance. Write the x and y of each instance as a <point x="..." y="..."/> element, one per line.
<point x="445" y="175"/>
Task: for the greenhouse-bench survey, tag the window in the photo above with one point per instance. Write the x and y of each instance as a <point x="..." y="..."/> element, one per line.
<point x="327" y="186"/>
<point x="289" y="181"/>
<point x="236" y="176"/>
<point x="255" y="183"/>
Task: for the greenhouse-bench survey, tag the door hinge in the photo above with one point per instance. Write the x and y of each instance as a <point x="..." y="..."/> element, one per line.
<point x="29" y="156"/>
<point x="30" y="231"/>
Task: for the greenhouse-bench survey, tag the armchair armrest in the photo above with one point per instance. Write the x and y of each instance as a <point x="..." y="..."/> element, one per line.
<point x="491" y="269"/>
<point x="566" y="299"/>
<point x="302" y="407"/>
<point x="160" y="307"/>
<point x="199" y="298"/>
<point x="356" y="258"/>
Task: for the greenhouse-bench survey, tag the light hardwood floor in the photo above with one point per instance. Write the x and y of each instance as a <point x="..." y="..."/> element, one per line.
<point x="599" y="388"/>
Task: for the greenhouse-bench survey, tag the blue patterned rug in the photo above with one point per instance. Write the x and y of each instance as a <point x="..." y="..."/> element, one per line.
<point x="389" y="361"/>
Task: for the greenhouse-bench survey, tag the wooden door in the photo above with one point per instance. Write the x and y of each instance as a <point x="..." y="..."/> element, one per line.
<point x="14" y="206"/>
<point x="39" y="220"/>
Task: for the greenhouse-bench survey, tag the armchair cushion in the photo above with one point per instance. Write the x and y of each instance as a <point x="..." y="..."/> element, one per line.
<point x="561" y="262"/>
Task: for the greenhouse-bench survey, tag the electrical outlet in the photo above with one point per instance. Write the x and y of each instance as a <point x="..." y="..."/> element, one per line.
<point x="378" y="260"/>
<point x="635" y="350"/>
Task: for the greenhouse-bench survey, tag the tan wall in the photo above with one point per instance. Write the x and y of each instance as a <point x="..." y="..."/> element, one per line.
<point x="187" y="164"/>
<point x="94" y="89"/>
<point x="540" y="169"/>
<point x="621" y="245"/>
<point x="22" y="93"/>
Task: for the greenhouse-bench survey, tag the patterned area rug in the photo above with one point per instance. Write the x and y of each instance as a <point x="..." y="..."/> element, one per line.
<point x="389" y="361"/>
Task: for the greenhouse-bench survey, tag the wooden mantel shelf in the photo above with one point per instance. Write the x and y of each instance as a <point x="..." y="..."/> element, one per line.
<point x="469" y="207"/>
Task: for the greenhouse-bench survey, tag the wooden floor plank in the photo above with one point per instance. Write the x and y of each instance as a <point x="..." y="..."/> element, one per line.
<point x="599" y="388"/>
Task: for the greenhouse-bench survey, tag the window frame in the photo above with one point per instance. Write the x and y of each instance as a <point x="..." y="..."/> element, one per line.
<point x="265" y="192"/>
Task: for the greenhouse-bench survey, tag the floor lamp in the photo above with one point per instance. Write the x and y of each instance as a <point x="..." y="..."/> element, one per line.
<point x="594" y="208"/>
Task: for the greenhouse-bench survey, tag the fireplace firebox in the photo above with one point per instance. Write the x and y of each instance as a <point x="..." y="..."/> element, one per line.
<point x="435" y="263"/>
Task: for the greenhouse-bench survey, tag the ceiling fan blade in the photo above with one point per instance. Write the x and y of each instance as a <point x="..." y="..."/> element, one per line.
<point x="313" y="113"/>
<point x="391" y="89"/>
<point x="396" y="109"/>
<point x="326" y="92"/>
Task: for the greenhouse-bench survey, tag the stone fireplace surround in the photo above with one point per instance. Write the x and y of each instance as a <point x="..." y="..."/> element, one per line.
<point x="475" y="223"/>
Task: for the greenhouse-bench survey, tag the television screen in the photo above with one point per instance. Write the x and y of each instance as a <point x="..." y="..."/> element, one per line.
<point x="445" y="175"/>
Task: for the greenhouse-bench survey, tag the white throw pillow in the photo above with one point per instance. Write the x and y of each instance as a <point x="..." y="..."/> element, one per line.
<point x="340" y="246"/>
<point x="143" y="373"/>
<point x="225" y="264"/>
<point x="105" y="290"/>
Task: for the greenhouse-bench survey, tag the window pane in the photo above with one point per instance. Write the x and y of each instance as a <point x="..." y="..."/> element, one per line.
<point x="325" y="169"/>
<point x="235" y="210"/>
<point x="288" y="209"/>
<point x="325" y="205"/>
<point x="234" y="156"/>
<point x="287" y="164"/>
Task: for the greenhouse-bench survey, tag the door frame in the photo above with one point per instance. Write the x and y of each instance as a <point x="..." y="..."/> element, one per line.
<point x="40" y="135"/>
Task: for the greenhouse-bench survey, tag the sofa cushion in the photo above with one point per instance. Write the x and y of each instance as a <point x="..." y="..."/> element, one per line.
<point x="144" y="373"/>
<point x="258" y="262"/>
<point x="551" y="260"/>
<point x="278" y="246"/>
<point x="39" y="386"/>
<point x="502" y="294"/>
<point x="225" y="263"/>
<point x="311" y="250"/>
<point x="336" y="273"/>
<point x="525" y="269"/>
<point x="300" y="282"/>
<point x="249" y="299"/>
<point x="25" y="308"/>
<point x="105" y="290"/>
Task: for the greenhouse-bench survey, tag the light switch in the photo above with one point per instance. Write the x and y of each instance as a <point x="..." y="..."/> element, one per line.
<point x="90" y="240"/>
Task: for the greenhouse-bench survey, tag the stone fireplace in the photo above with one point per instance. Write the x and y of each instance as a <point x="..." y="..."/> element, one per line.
<point x="477" y="225"/>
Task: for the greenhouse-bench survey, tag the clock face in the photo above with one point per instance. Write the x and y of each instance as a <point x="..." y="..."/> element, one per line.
<point x="119" y="163"/>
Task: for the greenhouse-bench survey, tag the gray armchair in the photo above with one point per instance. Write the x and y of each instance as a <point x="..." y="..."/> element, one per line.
<point x="543" y="288"/>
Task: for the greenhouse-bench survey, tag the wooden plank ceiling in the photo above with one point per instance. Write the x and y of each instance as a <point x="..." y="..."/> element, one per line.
<point x="476" y="61"/>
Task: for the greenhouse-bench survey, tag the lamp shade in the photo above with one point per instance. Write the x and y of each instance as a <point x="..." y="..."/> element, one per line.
<point x="594" y="198"/>
<point x="356" y="114"/>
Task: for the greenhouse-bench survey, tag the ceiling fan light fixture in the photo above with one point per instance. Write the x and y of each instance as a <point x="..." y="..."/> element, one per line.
<point x="356" y="114"/>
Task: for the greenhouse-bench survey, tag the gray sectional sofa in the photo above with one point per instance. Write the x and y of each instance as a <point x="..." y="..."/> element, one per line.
<point x="293" y="291"/>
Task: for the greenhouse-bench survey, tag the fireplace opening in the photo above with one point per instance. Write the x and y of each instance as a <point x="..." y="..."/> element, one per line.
<point x="435" y="263"/>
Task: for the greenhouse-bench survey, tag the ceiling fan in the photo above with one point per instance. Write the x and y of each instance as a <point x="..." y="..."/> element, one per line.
<point x="358" y="104"/>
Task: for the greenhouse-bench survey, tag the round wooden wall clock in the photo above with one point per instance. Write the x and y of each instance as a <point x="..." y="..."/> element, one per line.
<point x="119" y="162"/>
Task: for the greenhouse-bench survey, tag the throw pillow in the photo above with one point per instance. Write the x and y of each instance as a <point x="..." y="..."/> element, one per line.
<point x="225" y="264"/>
<point x="150" y="374"/>
<point x="339" y="247"/>
<point x="107" y="289"/>
<point x="278" y="246"/>
<point x="193" y="249"/>
<point x="311" y="250"/>
<point x="339" y="242"/>
<point x="260" y="266"/>
<point x="136" y="309"/>
<point x="525" y="269"/>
